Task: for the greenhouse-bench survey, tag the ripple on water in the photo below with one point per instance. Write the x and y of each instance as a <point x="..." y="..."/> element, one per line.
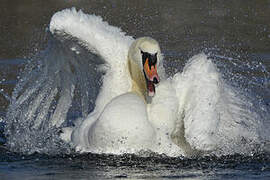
<point x="129" y="166"/>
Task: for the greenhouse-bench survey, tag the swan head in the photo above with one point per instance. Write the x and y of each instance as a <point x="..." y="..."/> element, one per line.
<point x="144" y="56"/>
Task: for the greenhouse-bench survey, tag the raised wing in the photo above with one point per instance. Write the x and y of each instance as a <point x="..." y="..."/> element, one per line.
<point x="214" y="116"/>
<point x="62" y="83"/>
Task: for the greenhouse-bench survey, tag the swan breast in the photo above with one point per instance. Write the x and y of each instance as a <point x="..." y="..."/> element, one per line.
<point x="123" y="125"/>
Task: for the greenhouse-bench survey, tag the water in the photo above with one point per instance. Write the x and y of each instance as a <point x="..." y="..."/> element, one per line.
<point x="235" y="34"/>
<point x="89" y="166"/>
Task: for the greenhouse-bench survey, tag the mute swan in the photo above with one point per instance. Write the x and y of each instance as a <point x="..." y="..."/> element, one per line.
<point x="125" y="102"/>
<point x="124" y="125"/>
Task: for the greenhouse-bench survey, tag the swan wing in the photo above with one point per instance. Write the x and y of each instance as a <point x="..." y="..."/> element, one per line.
<point x="108" y="42"/>
<point x="214" y="116"/>
<point x="198" y="91"/>
<point x="63" y="82"/>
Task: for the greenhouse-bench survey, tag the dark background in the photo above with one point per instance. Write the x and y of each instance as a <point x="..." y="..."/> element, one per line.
<point x="178" y="25"/>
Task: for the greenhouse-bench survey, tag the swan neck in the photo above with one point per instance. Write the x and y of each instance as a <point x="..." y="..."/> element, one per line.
<point x="138" y="79"/>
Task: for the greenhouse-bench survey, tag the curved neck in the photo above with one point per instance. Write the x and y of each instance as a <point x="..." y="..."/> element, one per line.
<point x="138" y="79"/>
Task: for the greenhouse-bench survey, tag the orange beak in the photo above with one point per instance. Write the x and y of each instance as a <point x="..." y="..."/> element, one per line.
<point x="151" y="72"/>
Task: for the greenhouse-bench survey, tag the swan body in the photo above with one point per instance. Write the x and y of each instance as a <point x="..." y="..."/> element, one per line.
<point x="129" y="115"/>
<point x="113" y="133"/>
<point x="125" y="124"/>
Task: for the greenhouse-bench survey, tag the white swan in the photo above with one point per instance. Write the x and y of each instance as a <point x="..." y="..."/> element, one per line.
<point x="194" y="109"/>
<point x="125" y="125"/>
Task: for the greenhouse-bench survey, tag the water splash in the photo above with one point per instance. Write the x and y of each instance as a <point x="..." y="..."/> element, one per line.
<point x="52" y="92"/>
<point x="247" y="76"/>
<point x="220" y="117"/>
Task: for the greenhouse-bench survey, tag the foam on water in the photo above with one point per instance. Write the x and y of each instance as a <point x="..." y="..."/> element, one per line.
<point x="66" y="80"/>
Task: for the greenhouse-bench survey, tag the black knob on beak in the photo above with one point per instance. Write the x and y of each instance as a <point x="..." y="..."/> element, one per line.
<point x="155" y="81"/>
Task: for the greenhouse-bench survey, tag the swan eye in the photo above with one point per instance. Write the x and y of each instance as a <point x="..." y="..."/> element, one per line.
<point x="154" y="59"/>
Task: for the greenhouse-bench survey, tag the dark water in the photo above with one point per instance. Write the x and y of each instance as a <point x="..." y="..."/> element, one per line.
<point x="89" y="166"/>
<point x="236" y="34"/>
